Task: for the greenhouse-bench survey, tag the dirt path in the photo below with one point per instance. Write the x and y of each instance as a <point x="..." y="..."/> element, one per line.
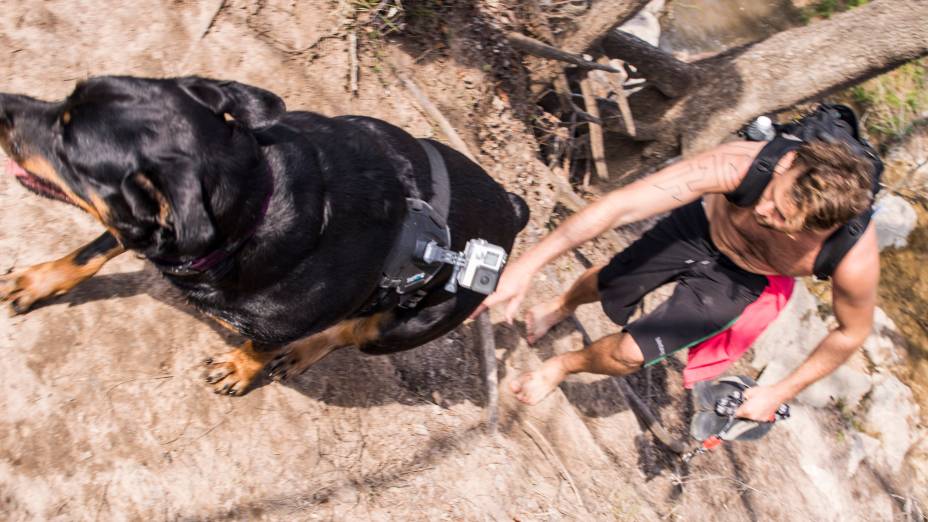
<point x="103" y="413"/>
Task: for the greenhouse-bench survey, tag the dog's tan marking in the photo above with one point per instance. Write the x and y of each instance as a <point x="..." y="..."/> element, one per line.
<point x="24" y="288"/>
<point x="234" y="372"/>
<point x="40" y="167"/>
<point x="302" y="354"/>
<point x="225" y="324"/>
<point x="164" y="208"/>
<point x="103" y="210"/>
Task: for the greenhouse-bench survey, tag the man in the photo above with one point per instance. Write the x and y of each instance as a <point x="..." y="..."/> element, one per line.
<point x="719" y="254"/>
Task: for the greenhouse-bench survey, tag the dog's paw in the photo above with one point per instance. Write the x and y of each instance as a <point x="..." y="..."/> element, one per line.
<point x="231" y="373"/>
<point x="286" y="366"/>
<point x="21" y="290"/>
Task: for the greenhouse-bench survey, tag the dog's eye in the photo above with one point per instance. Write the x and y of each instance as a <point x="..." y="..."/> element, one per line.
<point x="65" y="117"/>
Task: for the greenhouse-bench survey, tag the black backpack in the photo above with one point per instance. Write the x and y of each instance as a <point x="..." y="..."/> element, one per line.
<point x="830" y="123"/>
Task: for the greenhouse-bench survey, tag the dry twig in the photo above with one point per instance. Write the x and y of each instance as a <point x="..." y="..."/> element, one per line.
<point x="487" y="346"/>
<point x="454" y="139"/>
<point x="552" y="457"/>
<point x="353" y="63"/>
<point x="535" y="47"/>
<point x="597" y="147"/>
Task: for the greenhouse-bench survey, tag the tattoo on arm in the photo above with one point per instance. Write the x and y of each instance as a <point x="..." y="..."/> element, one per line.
<point x="719" y="172"/>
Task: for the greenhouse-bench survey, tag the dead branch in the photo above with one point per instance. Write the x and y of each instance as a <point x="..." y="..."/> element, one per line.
<point x="212" y="20"/>
<point x="552" y="457"/>
<point x="617" y="86"/>
<point x="642" y="411"/>
<point x="671" y="76"/>
<point x="486" y="344"/>
<point x="596" y="130"/>
<point x="562" y="88"/>
<point x="796" y="65"/>
<point x="535" y="47"/>
<point x="590" y="27"/>
<point x="574" y="202"/>
<point x="619" y="120"/>
<point x="454" y="139"/>
<point x="599" y="19"/>
<point x="647" y="417"/>
<point x="353" y="63"/>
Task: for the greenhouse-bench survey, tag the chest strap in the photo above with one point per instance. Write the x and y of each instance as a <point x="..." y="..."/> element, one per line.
<point x="761" y="171"/>
<point x="405" y="273"/>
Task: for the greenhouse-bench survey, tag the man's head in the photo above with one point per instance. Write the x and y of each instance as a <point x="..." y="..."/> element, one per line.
<point x="825" y="186"/>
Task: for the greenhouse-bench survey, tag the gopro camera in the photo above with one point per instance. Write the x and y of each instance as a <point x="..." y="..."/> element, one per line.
<point x="477" y="268"/>
<point x="483" y="262"/>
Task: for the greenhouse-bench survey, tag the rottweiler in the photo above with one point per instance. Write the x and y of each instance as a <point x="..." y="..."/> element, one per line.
<point x="275" y="223"/>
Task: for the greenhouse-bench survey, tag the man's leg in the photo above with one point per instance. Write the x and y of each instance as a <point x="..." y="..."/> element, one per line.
<point x="542" y="317"/>
<point x="616" y="354"/>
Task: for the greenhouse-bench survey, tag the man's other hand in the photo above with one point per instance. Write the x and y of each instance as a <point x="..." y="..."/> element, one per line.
<point x="761" y="404"/>
<point x="512" y="288"/>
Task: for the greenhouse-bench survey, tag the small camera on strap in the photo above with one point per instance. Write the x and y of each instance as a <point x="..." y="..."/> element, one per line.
<point x="477" y="268"/>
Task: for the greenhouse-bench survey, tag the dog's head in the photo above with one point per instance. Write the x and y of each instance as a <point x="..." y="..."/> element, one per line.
<point x="146" y="157"/>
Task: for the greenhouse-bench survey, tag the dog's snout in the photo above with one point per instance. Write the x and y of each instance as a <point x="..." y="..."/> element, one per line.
<point x="16" y="106"/>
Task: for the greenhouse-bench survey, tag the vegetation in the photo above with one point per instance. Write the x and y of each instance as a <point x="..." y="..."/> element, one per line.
<point x="827" y="8"/>
<point x="894" y="104"/>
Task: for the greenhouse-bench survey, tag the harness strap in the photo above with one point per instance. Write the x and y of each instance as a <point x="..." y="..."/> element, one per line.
<point x="405" y="277"/>
<point x="441" y="186"/>
<point x="761" y="171"/>
<point x="838" y="244"/>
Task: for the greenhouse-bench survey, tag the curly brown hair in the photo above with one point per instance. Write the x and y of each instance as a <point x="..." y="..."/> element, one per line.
<point x="836" y="184"/>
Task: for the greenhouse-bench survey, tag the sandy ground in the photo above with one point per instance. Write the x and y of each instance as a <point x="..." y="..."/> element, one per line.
<point x="102" y="413"/>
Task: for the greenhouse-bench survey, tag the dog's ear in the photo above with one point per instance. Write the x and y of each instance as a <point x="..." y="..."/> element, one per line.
<point x="252" y="106"/>
<point x="171" y="201"/>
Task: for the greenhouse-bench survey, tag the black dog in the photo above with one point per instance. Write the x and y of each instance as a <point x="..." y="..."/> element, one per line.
<point x="275" y="223"/>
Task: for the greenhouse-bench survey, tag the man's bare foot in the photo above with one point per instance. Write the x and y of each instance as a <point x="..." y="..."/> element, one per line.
<point x="542" y="317"/>
<point x="532" y="387"/>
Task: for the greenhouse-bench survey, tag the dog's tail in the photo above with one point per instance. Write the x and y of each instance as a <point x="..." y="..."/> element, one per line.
<point x="520" y="208"/>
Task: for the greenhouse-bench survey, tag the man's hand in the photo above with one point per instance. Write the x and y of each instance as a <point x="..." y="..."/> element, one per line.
<point x="761" y="404"/>
<point x="512" y="288"/>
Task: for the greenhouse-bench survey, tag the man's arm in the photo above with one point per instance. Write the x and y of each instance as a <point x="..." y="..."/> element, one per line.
<point x="715" y="171"/>
<point x="854" y="292"/>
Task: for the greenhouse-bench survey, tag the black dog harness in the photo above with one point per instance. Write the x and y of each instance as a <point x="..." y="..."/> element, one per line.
<point x="405" y="274"/>
<point x="832" y="124"/>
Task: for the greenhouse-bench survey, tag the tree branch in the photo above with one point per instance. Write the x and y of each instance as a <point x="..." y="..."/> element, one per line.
<point x="671" y="76"/>
<point x="600" y="18"/>
<point x="535" y="47"/>
<point x="802" y="64"/>
<point x="596" y="130"/>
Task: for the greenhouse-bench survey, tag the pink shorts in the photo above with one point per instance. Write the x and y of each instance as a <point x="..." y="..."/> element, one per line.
<point x="712" y="357"/>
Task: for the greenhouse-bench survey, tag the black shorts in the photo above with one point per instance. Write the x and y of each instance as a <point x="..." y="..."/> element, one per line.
<point x="711" y="290"/>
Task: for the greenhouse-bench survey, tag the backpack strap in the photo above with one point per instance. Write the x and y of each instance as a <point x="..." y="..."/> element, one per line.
<point x="839" y="124"/>
<point x="838" y="244"/>
<point x="830" y="123"/>
<point x="761" y="171"/>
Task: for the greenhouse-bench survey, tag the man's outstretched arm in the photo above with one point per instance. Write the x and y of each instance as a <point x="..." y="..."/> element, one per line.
<point x="715" y="171"/>
<point x="854" y="293"/>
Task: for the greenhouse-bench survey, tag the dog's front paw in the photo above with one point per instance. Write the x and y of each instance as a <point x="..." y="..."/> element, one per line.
<point x="234" y="372"/>
<point x="22" y="289"/>
<point x="286" y="366"/>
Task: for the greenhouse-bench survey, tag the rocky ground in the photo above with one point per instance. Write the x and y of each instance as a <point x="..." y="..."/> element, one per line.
<point x="104" y="417"/>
